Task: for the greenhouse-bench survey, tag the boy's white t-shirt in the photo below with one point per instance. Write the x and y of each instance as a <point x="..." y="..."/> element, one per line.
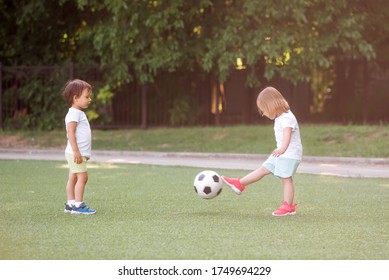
<point x="83" y="132"/>
<point x="295" y="148"/>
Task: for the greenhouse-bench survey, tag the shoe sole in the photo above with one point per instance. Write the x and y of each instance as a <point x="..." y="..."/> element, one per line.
<point x="82" y="213"/>
<point x="67" y="211"/>
<point x="232" y="187"/>
<point x="286" y="214"/>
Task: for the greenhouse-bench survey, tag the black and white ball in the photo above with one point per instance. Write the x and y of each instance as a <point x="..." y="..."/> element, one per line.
<point x="208" y="184"/>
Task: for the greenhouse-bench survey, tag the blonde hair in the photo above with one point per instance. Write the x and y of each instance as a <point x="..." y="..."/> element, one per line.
<point x="271" y="101"/>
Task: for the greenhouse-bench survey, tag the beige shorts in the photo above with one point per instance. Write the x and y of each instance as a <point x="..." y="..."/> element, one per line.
<point x="74" y="167"/>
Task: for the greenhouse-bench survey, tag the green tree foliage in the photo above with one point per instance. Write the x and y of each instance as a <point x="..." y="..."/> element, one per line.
<point x="138" y="39"/>
<point x="357" y="89"/>
<point x="289" y="37"/>
<point x="36" y="32"/>
<point x="375" y="27"/>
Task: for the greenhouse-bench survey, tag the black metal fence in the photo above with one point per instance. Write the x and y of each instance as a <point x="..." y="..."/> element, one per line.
<point x="30" y="97"/>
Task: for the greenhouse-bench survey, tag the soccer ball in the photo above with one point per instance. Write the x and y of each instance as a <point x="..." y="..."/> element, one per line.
<point x="208" y="184"/>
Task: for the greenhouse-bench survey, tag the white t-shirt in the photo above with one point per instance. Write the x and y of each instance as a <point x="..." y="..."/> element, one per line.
<point x="83" y="132"/>
<point x="295" y="148"/>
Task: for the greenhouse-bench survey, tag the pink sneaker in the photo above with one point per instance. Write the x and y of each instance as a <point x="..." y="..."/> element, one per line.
<point x="234" y="184"/>
<point x="285" y="209"/>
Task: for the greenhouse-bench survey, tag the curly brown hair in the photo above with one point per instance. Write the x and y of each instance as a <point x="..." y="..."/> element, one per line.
<point x="74" y="88"/>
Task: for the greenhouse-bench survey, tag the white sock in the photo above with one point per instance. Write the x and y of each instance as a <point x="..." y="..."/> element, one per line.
<point x="77" y="203"/>
<point x="71" y="202"/>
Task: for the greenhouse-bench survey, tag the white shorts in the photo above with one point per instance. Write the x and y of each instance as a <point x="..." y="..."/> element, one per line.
<point x="281" y="167"/>
<point x="76" y="167"/>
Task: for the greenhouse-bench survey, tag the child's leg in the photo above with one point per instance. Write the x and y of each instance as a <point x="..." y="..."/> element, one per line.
<point x="287" y="207"/>
<point x="82" y="179"/>
<point x="239" y="185"/>
<point x="71" y="185"/>
<point x="288" y="186"/>
<point x="79" y="206"/>
<point x="254" y="176"/>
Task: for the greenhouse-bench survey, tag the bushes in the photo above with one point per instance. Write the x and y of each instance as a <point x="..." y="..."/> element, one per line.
<point x="33" y="99"/>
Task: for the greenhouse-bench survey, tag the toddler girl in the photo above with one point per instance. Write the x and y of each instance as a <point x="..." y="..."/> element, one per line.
<point x="285" y="159"/>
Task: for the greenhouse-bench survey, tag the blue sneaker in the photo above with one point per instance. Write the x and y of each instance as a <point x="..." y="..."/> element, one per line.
<point x="83" y="209"/>
<point x="68" y="208"/>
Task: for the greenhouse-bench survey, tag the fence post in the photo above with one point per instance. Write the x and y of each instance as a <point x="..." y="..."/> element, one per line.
<point x="144" y="106"/>
<point x="1" y="95"/>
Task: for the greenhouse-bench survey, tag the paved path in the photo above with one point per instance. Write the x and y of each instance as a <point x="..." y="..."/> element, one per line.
<point x="346" y="167"/>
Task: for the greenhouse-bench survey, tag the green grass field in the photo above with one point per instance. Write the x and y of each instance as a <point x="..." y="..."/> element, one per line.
<point x="318" y="139"/>
<point x="152" y="212"/>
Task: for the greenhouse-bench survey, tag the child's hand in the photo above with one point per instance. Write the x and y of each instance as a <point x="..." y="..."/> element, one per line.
<point x="278" y="152"/>
<point x="77" y="157"/>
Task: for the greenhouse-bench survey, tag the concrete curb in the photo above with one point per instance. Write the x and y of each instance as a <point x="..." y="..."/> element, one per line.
<point x="231" y="156"/>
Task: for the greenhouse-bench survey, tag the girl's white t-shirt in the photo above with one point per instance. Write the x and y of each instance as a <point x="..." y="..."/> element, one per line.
<point x="295" y="148"/>
<point x="83" y="132"/>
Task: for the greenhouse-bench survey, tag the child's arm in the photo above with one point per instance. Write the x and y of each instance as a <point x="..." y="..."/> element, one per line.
<point x="71" y="130"/>
<point x="285" y="143"/>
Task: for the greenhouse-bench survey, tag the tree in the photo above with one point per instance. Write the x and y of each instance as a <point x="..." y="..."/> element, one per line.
<point x="37" y="32"/>
<point x="286" y="37"/>
<point x="354" y="90"/>
<point x="139" y="40"/>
